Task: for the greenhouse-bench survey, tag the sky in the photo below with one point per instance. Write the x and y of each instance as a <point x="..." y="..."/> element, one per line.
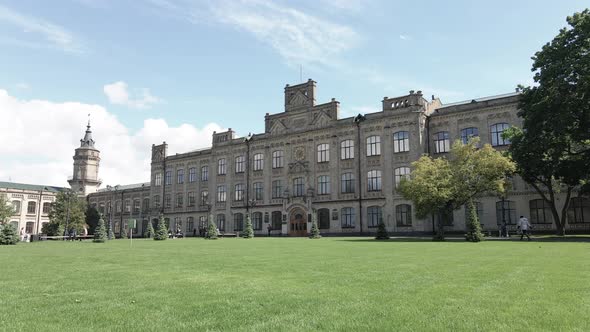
<point x="149" y="71"/>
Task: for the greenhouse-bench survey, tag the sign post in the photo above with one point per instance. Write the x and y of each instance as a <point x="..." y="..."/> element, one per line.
<point x="131" y="224"/>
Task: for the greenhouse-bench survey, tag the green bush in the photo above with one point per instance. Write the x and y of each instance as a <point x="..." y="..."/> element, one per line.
<point x="149" y="231"/>
<point x="474" y="233"/>
<point x="212" y="229"/>
<point x="382" y="232"/>
<point x="8" y="234"/>
<point x="161" y="232"/>
<point x="100" y="232"/>
<point x="248" y="230"/>
<point x="315" y="231"/>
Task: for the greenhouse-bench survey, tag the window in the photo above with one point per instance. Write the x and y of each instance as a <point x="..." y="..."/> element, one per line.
<point x="324" y="185"/>
<point x="442" y="142"/>
<point x="146" y="204"/>
<point x="324" y="218"/>
<point x="403" y="215"/>
<point x="374" y="215"/>
<point x="323" y="153"/>
<point x="347" y="149"/>
<point x="505" y="211"/>
<point x="118" y="207"/>
<point x="239" y="192"/>
<point x="277" y="219"/>
<point x="204" y="197"/>
<point x="203" y="223"/>
<point x="579" y="210"/>
<point x="31" y="207"/>
<point x="180" y="176"/>
<point x="167" y="201"/>
<point x="127" y="205"/>
<point x="190" y="224"/>
<point x="221" y="166"/>
<point x="177" y="224"/>
<point x="158" y="179"/>
<point x="374" y="180"/>
<point x="468" y="133"/>
<point x="446" y="217"/>
<point x="240" y="164"/>
<point x="101" y="208"/>
<point x="46" y="207"/>
<point x="258" y="162"/>
<point x="257" y="221"/>
<point x="156" y="200"/>
<point x="347" y="183"/>
<point x="258" y="191"/>
<point x="478" y="210"/>
<point x="190" y="198"/>
<point x="221" y="193"/>
<point x="298" y="187"/>
<point x="277" y="159"/>
<point x="192" y="174"/>
<point x="204" y="173"/>
<point x="277" y="189"/>
<point x="401" y="173"/>
<point x="401" y="142"/>
<point x="496" y="131"/>
<point x="16" y="207"/>
<point x="238" y="222"/>
<point x="540" y="212"/>
<point x="373" y="146"/>
<point x="136" y="205"/>
<point x="179" y="199"/>
<point x="221" y="222"/>
<point x="347" y="216"/>
<point x="29" y="227"/>
<point x="168" y="179"/>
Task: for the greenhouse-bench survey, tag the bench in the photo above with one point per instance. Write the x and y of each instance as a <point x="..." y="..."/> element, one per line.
<point x="228" y="235"/>
<point x="66" y="237"/>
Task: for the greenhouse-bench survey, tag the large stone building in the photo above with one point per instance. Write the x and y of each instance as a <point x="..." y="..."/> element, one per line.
<point x="346" y="169"/>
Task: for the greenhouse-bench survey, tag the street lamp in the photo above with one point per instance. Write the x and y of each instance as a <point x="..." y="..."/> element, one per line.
<point x="68" y="192"/>
<point x="112" y="190"/>
<point x="357" y="120"/>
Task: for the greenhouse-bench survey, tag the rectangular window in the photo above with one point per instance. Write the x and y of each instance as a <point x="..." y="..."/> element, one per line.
<point x="168" y="178"/>
<point x="373" y="146"/>
<point x="468" y="133"/>
<point x="158" y="179"/>
<point x="221" y="222"/>
<point x="221" y="166"/>
<point x="205" y="173"/>
<point x="347" y="183"/>
<point x="46" y="207"/>
<point x="374" y="216"/>
<point x="179" y="200"/>
<point x="403" y="215"/>
<point x="190" y="224"/>
<point x="167" y="201"/>
<point x="496" y="131"/>
<point x="180" y="176"/>
<point x="221" y="193"/>
<point x="277" y="189"/>
<point x="204" y="197"/>
<point x="579" y="210"/>
<point x="238" y="222"/>
<point x="540" y="212"/>
<point x="258" y="162"/>
<point x="506" y="212"/>
<point x="239" y="192"/>
<point x="401" y="173"/>
<point x="348" y="217"/>
<point x="32" y="208"/>
<point x="347" y="149"/>
<point x="298" y="187"/>
<point x="136" y="205"/>
<point x="258" y="191"/>
<point x="156" y="200"/>
<point x="257" y="221"/>
<point x="374" y="180"/>
<point x="192" y="174"/>
<point x="190" y="196"/>
<point x="442" y="143"/>
<point x="276" y="220"/>
<point x="146" y="204"/>
<point x="323" y="185"/>
<point x="277" y="159"/>
<point x="323" y="153"/>
<point x="401" y="141"/>
<point x="127" y="206"/>
<point x="29" y="227"/>
<point x="240" y="164"/>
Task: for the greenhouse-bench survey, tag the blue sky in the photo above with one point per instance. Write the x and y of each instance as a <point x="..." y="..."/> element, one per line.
<point x="199" y="63"/>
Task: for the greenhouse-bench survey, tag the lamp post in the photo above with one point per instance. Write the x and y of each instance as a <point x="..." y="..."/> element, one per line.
<point x="112" y="190"/>
<point x="357" y="120"/>
<point x="247" y="140"/>
<point x="68" y="194"/>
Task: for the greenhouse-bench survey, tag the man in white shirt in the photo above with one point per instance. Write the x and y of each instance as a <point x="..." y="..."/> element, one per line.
<point x="523" y="224"/>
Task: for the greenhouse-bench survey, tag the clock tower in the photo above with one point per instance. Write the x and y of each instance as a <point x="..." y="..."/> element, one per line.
<point x="86" y="161"/>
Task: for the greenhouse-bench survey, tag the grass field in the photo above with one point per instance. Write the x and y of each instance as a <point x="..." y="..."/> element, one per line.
<point x="295" y="284"/>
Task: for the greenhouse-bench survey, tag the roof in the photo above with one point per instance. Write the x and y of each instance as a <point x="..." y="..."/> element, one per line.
<point x="128" y="186"/>
<point x="33" y="187"/>
<point x="464" y="102"/>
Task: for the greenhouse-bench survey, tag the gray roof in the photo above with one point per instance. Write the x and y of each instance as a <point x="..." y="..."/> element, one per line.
<point x="128" y="186"/>
<point x="34" y="187"/>
<point x="464" y="102"/>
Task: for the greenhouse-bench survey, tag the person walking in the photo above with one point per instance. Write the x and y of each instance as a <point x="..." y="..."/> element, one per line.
<point x="22" y="234"/>
<point x="269" y="228"/>
<point x="524" y="225"/>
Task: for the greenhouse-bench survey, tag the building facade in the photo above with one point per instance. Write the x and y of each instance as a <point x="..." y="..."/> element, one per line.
<point x="347" y="170"/>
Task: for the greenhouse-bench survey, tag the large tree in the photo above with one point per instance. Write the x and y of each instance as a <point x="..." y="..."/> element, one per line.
<point x="6" y="209"/>
<point x="552" y="150"/>
<point x="437" y="186"/>
<point x="92" y="218"/>
<point x="67" y="208"/>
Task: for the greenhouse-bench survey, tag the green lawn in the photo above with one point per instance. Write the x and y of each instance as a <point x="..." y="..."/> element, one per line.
<point x="295" y="284"/>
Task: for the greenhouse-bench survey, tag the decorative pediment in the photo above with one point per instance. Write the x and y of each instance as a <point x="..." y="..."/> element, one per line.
<point x="278" y="127"/>
<point x="321" y="119"/>
<point x="299" y="167"/>
<point x="299" y="99"/>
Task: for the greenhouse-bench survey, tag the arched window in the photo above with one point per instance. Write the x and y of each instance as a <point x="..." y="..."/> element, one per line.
<point x="496" y="131"/>
<point x="221" y="222"/>
<point x="401" y="173"/>
<point x="257" y="221"/>
<point x="221" y="169"/>
<point x="16" y="207"/>
<point x="442" y="143"/>
<point x="323" y="185"/>
<point x="277" y="189"/>
<point x="401" y="141"/>
<point x="579" y="210"/>
<point x="347" y="217"/>
<point x="540" y="212"/>
<point x="374" y="180"/>
<point x="277" y="159"/>
<point x="505" y="212"/>
<point x="373" y="146"/>
<point x="238" y="222"/>
<point x="468" y="133"/>
<point x="347" y="183"/>
<point x="205" y="173"/>
<point x="323" y="153"/>
<point x="258" y="191"/>
<point x="180" y="176"/>
<point x="277" y="220"/>
<point x="347" y="149"/>
<point x="240" y="164"/>
<point x="258" y="162"/>
<point x="190" y="224"/>
<point x="374" y="216"/>
<point x="403" y="215"/>
<point x="324" y="218"/>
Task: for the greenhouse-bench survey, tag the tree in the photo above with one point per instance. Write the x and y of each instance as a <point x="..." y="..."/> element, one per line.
<point x="92" y="218"/>
<point x="67" y="208"/>
<point x="212" y="229"/>
<point x="161" y="229"/>
<point x="315" y="231"/>
<point x="6" y="209"/>
<point x="552" y="150"/>
<point x="474" y="233"/>
<point x="100" y="231"/>
<point x="149" y="231"/>
<point x="381" y="232"/>
<point x="8" y="234"/>
<point x="248" y="230"/>
<point x="437" y="186"/>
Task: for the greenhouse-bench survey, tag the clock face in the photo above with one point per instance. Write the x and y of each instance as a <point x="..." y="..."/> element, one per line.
<point x="300" y="153"/>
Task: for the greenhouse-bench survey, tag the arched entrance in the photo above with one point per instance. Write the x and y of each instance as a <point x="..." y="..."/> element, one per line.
<point x="297" y="223"/>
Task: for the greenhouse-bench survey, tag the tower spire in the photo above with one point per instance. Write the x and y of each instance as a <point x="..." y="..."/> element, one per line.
<point x="87" y="141"/>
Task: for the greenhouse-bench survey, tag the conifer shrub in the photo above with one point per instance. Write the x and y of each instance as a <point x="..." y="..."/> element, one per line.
<point x="474" y="233"/>
<point x="8" y="235"/>
<point x="100" y="232"/>
<point x="149" y="231"/>
<point x="212" y="229"/>
<point x="382" y="232"/>
<point x="248" y="230"/>
<point x="161" y="232"/>
<point x="315" y="231"/>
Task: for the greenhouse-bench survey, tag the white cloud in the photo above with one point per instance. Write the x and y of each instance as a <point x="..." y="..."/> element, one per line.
<point x="38" y="141"/>
<point x="405" y="37"/>
<point x="346" y="5"/>
<point x="118" y="94"/>
<point x="56" y="35"/>
<point x="22" y="86"/>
